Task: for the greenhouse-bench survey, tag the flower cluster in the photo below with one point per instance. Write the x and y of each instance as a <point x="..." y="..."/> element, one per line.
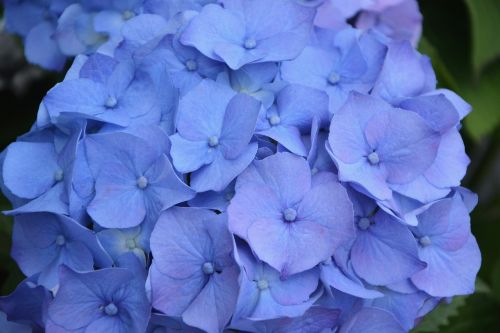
<point x="53" y="30"/>
<point x="240" y="165"/>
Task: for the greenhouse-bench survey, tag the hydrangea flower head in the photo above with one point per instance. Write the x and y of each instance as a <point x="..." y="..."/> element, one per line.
<point x="251" y="165"/>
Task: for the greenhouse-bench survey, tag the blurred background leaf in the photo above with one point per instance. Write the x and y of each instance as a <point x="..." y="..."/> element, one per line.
<point x="441" y="316"/>
<point x="484" y="15"/>
<point x="484" y="95"/>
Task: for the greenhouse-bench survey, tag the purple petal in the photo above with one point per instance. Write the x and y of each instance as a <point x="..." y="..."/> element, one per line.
<point x="449" y="273"/>
<point x="386" y="252"/>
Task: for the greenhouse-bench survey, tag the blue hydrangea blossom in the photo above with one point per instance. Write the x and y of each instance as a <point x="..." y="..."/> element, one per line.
<point x="252" y="165"/>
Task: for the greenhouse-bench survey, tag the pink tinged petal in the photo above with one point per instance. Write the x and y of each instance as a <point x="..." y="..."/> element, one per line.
<point x="212" y="309"/>
<point x="173" y="296"/>
<point x="238" y="125"/>
<point x="386" y="252"/>
<point x="405" y="144"/>
<point x="252" y="203"/>
<point x="180" y="243"/>
<point x="449" y="273"/>
<point x="283" y="245"/>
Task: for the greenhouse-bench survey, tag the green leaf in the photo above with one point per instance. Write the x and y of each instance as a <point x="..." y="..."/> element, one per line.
<point x="440" y="316"/>
<point x="480" y="314"/>
<point x="445" y="78"/>
<point x="484" y="95"/>
<point x="485" y="20"/>
<point x="495" y="281"/>
<point x="482" y="287"/>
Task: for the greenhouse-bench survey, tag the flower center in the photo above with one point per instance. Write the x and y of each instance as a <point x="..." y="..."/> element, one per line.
<point x="131" y="244"/>
<point x="425" y="241"/>
<point x="274" y="120"/>
<point x="208" y="268"/>
<point x="127" y="15"/>
<point x="262" y="284"/>
<point x="191" y="65"/>
<point x="333" y="78"/>
<point x="364" y="223"/>
<point x="60" y="240"/>
<point x="373" y="158"/>
<point x="58" y="175"/>
<point x="213" y="141"/>
<point x="142" y="182"/>
<point x="289" y="214"/>
<point x="111" y="102"/>
<point x="111" y="309"/>
<point x="250" y="43"/>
